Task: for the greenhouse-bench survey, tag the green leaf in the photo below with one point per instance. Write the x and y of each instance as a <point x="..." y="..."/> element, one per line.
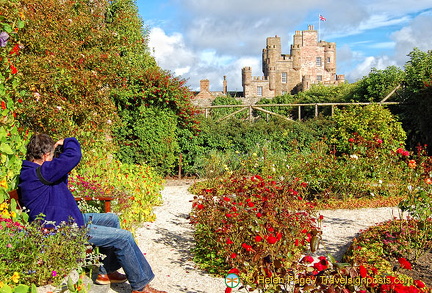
<point x="20" y="24"/>
<point x="7" y="28"/>
<point x="6" y="289"/>
<point x="21" y="289"/>
<point x="5" y="148"/>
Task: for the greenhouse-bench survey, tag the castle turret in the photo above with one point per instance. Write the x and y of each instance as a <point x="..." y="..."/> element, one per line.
<point x="272" y="78"/>
<point x="246" y="76"/>
<point x="296" y="51"/>
<point x="272" y="53"/>
<point x="330" y="57"/>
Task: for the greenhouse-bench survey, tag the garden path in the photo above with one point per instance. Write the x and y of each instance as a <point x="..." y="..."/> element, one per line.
<point x="167" y="242"/>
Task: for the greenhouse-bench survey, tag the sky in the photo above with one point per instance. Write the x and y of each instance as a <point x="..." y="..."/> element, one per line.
<point x="210" y="39"/>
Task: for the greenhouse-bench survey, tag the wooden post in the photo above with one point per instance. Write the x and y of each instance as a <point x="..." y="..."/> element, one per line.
<point x="250" y="113"/>
<point x="299" y="113"/>
<point x="180" y="166"/>
<point x="316" y="110"/>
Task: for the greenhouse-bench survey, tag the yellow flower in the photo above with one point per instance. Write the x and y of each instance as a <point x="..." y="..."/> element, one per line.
<point x="1" y="284"/>
<point x="6" y="214"/>
<point x="15" y="277"/>
<point x="3" y="206"/>
<point x="3" y="184"/>
<point x="13" y="214"/>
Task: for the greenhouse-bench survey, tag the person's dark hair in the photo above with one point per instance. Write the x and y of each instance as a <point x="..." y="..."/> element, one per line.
<point x="39" y="145"/>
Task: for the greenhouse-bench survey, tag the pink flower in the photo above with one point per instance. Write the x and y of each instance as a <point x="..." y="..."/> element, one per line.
<point x="53" y="273"/>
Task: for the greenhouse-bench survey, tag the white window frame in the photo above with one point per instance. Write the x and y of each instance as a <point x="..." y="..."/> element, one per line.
<point x="259" y="91"/>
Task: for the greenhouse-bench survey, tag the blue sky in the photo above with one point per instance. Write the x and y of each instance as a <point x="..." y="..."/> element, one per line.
<point x="209" y="39"/>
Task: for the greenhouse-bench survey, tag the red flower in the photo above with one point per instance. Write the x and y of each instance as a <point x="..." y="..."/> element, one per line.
<point x="229" y="241"/>
<point x="247" y="247"/>
<point x="13" y="69"/>
<point x="234" y="271"/>
<point x="15" y="50"/>
<point x="3" y="105"/>
<point x="308" y="259"/>
<point x="404" y="263"/>
<point x="233" y="255"/>
<point x="259" y="215"/>
<point x="351" y="140"/>
<point x="20" y="100"/>
<point x="363" y="272"/>
<point x="419" y="284"/>
<point x="258" y="238"/>
<point x="251" y="204"/>
<point x="228" y="290"/>
<point x="271" y="239"/>
<point x="228" y="215"/>
<point x="319" y="266"/>
<point x="200" y="206"/>
<point x="226" y="198"/>
<point x="270" y="229"/>
<point x="296" y="242"/>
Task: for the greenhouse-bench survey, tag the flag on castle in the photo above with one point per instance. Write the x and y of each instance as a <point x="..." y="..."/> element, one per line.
<point x="322" y="18"/>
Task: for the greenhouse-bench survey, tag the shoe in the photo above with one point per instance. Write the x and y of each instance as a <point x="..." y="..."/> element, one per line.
<point x="115" y="277"/>
<point x="148" y="289"/>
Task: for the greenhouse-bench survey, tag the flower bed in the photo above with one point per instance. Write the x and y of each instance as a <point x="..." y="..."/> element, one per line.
<point x="264" y="232"/>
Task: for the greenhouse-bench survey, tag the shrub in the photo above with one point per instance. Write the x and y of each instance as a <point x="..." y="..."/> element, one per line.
<point x="371" y="123"/>
<point x="135" y="187"/>
<point x="30" y="254"/>
<point x="150" y="138"/>
<point x="254" y="225"/>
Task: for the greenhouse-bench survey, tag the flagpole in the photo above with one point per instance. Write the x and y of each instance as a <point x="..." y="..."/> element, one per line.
<point x="319" y="27"/>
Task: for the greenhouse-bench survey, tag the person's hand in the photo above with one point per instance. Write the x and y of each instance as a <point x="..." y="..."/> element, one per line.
<point x="60" y="142"/>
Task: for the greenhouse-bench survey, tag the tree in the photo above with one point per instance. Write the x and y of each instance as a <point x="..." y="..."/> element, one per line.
<point x="417" y="116"/>
<point x="378" y="84"/>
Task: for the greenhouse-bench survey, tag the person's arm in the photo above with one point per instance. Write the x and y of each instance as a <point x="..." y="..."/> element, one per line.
<point x="59" y="167"/>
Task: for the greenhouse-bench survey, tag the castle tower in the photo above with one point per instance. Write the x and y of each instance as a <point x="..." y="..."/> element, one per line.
<point x="296" y="51"/>
<point x="271" y="54"/>
<point x="272" y="78"/>
<point x="330" y="57"/>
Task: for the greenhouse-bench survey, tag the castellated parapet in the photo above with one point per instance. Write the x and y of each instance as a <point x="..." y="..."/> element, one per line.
<point x="310" y="61"/>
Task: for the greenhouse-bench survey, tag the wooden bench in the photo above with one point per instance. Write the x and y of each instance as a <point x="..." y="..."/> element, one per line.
<point x="105" y="199"/>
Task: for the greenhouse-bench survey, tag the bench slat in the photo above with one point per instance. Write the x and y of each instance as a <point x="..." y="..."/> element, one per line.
<point x="13" y="194"/>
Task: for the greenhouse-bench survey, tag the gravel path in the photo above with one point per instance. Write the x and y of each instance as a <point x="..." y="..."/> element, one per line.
<point x="167" y="242"/>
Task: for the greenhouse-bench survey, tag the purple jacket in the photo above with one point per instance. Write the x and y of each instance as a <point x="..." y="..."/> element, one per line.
<point x="55" y="201"/>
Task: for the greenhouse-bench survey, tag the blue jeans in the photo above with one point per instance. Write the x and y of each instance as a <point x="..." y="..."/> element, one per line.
<point x="120" y="249"/>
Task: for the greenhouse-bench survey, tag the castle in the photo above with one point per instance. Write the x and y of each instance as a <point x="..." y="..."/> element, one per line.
<point x="310" y="61"/>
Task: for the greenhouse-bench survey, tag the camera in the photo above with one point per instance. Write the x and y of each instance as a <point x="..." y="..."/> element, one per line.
<point x="58" y="150"/>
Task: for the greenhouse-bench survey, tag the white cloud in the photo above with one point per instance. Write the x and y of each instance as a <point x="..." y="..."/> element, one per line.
<point x="171" y="52"/>
<point x="208" y="39"/>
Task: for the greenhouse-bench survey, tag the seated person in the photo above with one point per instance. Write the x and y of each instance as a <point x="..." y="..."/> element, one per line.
<point x="43" y="190"/>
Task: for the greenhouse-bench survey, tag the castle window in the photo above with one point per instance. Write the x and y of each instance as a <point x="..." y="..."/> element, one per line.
<point x="284" y="77"/>
<point x="259" y="91"/>
<point x="318" y="61"/>
<point x="319" y="77"/>
<point x="328" y="59"/>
